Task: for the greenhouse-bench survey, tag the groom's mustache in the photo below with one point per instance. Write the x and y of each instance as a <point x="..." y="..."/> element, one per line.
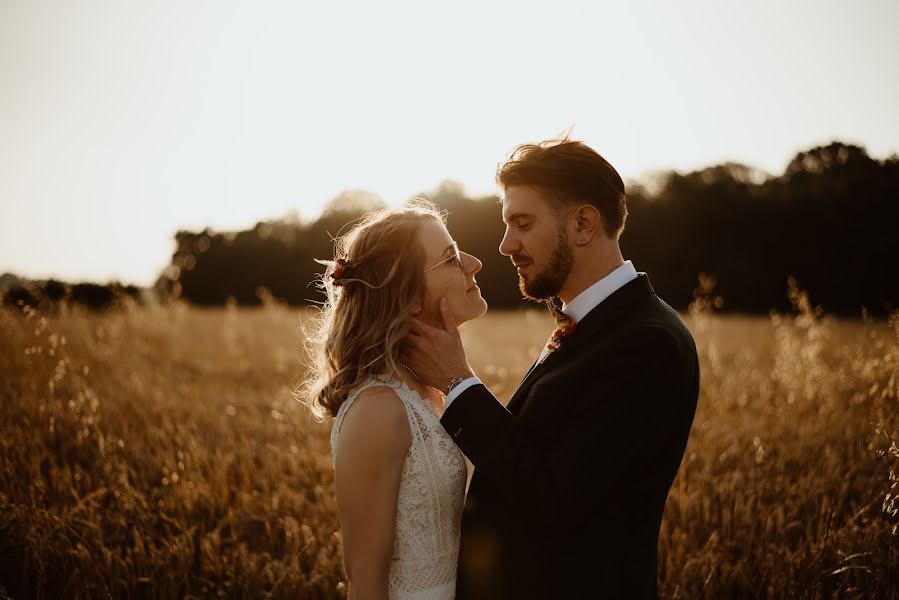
<point x="520" y="259"/>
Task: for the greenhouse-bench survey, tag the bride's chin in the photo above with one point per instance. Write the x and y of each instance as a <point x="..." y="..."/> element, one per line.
<point x="483" y="310"/>
<point x="471" y="316"/>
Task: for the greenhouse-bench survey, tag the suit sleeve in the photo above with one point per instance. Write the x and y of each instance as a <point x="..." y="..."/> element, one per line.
<point x="630" y="410"/>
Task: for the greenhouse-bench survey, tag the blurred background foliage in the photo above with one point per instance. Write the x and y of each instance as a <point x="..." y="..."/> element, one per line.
<point x="829" y="221"/>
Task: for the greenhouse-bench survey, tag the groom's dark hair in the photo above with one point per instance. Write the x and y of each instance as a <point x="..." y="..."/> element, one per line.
<point x="566" y="172"/>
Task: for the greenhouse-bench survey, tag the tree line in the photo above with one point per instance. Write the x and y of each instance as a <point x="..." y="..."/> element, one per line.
<point x="829" y="221"/>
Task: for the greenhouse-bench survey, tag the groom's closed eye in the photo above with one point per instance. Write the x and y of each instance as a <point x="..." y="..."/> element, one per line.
<point x="520" y="221"/>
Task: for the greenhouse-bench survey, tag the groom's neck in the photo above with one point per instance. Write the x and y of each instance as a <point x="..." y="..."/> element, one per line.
<point x="590" y="265"/>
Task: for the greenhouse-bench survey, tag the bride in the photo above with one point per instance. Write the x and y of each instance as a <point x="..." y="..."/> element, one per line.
<point x="398" y="476"/>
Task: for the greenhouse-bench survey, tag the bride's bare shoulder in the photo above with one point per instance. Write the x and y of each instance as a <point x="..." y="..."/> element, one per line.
<point x="376" y="422"/>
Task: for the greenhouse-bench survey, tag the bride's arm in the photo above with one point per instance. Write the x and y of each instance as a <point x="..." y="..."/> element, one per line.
<point x="373" y="441"/>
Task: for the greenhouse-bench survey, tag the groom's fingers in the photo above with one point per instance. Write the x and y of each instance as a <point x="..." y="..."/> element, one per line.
<point x="420" y="328"/>
<point x="449" y="321"/>
<point x="409" y="343"/>
<point x="416" y="327"/>
<point x="410" y="347"/>
<point x="405" y="355"/>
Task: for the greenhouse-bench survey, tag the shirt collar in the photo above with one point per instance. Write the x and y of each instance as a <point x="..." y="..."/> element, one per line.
<point x="590" y="298"/>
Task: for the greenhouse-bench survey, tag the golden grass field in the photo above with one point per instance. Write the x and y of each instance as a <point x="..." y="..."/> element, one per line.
<point x="159" y="452"/>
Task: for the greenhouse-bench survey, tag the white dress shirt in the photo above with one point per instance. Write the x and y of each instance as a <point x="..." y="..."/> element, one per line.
<point x="577" y="309"/>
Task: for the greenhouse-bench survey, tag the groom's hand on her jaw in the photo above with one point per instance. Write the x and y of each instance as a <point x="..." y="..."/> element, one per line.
<point x="436" y="355"/>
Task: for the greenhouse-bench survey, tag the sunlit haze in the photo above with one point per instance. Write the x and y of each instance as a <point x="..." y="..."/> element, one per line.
<point x="121" y="122"/>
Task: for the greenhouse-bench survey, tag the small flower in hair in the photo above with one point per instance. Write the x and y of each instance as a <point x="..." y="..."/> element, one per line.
<point x="340" y="270"/>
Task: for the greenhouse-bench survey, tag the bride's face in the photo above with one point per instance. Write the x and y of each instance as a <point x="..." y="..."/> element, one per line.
<point x="444" y="277"/>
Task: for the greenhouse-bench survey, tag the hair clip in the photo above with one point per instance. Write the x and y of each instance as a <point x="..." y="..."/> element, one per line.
<point x="339" y="271"/>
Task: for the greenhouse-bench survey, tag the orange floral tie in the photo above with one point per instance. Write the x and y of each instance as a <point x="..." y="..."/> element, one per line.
<point x="564" y="327"/>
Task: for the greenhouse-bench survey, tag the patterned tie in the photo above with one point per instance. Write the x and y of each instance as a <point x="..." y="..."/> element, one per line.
<point x="560" y="318"/>
<point x="564" y="327"/>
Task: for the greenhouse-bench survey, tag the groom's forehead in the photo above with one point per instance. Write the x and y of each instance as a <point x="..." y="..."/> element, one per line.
<point x="522" y="201"/>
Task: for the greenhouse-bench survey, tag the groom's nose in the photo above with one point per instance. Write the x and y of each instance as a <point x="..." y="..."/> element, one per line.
<point x="508" y="245"/>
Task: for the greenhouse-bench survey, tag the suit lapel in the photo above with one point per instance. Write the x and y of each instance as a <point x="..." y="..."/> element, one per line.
<point x="525" y="385"/>
<point x="584" y="333"/>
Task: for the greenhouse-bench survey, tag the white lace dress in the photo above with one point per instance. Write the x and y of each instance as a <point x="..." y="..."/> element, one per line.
<point x="429" y="508"/>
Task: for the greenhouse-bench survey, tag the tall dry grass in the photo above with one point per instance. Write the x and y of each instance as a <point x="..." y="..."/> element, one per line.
<point x="159" y="453"/>
<point x="785" y="487"/>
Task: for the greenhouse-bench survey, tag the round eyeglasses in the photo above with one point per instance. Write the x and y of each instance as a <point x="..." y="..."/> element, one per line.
<point x="456" y="255"/>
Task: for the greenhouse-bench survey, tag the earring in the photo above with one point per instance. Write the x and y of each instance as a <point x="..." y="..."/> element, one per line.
<point x="581" y="242"/>
<point x="417" y="311"/>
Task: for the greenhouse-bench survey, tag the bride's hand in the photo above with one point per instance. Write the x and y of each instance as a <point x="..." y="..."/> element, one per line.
<point x="436" y="355"/>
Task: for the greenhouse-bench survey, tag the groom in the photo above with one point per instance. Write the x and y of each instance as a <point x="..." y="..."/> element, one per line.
<point x="571" y="478"/>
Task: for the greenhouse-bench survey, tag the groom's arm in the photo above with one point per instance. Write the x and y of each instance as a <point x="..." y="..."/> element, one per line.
<point x="623" y="419"/>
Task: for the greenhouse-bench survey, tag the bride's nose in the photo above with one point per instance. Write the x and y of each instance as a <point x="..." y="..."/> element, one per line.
<point x="472" y="264"/>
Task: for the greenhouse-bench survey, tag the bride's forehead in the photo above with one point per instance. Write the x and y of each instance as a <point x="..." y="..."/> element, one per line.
<point x="434" y="237"/>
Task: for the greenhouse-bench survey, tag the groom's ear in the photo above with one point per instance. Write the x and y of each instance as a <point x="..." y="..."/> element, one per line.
<point x="587" y="225"/>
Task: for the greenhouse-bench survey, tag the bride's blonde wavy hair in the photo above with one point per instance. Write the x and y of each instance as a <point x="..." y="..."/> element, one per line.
<point x="368" y="306"/>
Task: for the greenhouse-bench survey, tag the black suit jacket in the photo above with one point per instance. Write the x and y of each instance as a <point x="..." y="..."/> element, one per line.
<point x="571" y="480"/>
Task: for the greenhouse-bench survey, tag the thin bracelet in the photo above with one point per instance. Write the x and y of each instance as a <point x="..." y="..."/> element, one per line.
<point x="454" y="383"/>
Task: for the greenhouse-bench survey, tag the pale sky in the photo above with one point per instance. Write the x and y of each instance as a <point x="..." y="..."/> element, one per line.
<point x="121" y="122"/>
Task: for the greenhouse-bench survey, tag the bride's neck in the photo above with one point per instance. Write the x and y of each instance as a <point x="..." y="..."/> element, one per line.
<point x="426" y="392"/>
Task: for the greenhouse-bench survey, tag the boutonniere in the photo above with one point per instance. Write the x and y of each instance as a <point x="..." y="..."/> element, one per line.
<point x="559" y="333"/>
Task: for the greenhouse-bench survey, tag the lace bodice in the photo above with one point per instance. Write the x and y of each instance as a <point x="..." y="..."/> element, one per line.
<point x="429" y="507"/>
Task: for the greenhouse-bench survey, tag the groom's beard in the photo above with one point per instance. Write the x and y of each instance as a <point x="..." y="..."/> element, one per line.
<point x="548" y="282"/>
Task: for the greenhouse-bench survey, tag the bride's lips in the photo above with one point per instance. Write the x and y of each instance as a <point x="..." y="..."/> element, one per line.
<point x="472" y="288"/>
